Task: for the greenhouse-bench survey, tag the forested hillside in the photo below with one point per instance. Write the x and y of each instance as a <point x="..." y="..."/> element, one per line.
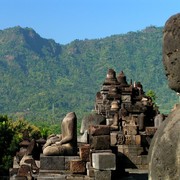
<point x="43" y="80"/>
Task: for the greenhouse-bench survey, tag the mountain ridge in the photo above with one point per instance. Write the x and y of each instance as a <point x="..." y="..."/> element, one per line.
<point x="42" y="79"/>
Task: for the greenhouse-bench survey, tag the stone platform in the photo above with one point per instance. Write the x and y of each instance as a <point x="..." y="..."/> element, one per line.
<point x="56" y="163"/>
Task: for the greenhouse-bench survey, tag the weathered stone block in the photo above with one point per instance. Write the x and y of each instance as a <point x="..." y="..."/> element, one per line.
<point x="144" y="159"/>
<point x="138" y="140"/>
<point x="84" y="152"/>
<point x="101" y="142"/>
<point x="144" y="167"/>
<point x="90" y="172"/>
<point x="158" y="120"/>
<point x="136" y="159"/>
<point x="113" y="138"/>
<point x="131" y="150"/>
<point x="15" y="163"/>
<point x="51" y="176"/>
<point x="120" y="139"/>
<point x="140" y="150"/>
<point x="77" y="166"/>
<point x="88" y="178"/>
<point x="52" y="162"/>
<point x="37" y="163"/>
<point x="104" y="161"/>
<point x="133" y="139"/>
<point x="116" y="138"/>
<point x="104" y="175"/>
<point x="109" y="122"/>
<point x="90" y="169"/>
<point x="20" y="178"/>
<point x="140" y="121"/>
<point x="13" y="172"/>
<point x="88" y="165"/>
<point x="75" y="177"/>
<point x="68" y="159"/>
<point x="98" y="151"/>
<point x="96" y="130"/>
<point x="130" y="130"/>
<point x="83" y="138"/>
<point x="128" y="139"/>
<point x="120" y="148"/>
<point x="150" y="130"/>
<point x="126" y="152"/>
<point x="24" y="170"/>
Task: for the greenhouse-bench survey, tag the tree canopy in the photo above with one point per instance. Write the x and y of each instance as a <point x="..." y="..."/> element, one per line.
<point x="43" y="80"/>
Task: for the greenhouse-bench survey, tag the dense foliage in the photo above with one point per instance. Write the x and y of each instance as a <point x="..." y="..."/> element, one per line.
<point x="43" y="80"/>
<point x="11" y="133"/>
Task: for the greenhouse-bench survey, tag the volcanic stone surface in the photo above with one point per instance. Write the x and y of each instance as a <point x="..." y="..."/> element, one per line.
<point x="171" y="51"/>
<point x="164" y="152"/>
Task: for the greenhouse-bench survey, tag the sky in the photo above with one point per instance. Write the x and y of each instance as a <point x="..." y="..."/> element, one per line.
<point x="68" y="20"/>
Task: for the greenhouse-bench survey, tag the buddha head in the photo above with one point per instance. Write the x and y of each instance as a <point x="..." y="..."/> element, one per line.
<point x="171" y="51"/>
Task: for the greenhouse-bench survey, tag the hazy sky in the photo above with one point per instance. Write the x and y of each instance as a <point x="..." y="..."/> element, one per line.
<point x="67" y="20"/>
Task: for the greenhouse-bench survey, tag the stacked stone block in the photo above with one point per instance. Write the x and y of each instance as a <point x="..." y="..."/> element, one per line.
<point x="55" y="163"/>
<point x="116" y="138"/>
<point x="99" y="137"/>
<point x="129" y="145"/>
<point x="67" y="161"/>
<point x="66" y="167"/>
<point x="150" y="131"/>
<point x="129" y="113"/>
<point x="133" y="156"/>
<point x="90" y="170"/>
<point x="102" y="160"/>
<point x="79" y="166"/>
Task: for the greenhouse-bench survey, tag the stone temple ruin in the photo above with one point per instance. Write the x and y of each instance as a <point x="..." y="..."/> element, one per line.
<point x="131" y="116"/>
<point x="116" y="138"/>
<point x="124" y="104"/>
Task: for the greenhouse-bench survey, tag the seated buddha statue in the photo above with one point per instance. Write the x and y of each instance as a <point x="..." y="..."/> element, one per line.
<point x="65" y="143"/>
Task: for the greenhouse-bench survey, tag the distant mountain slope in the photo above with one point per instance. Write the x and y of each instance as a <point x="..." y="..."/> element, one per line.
<point x="41" y="79"/>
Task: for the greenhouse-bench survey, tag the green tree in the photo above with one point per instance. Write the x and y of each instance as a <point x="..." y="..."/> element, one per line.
<point x="9" y="140"/>
<point x="10" y="137"/>
<point x="152" y="94"/>
<point x="42" y="80"/>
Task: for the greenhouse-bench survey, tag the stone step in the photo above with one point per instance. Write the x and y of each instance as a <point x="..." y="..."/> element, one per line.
<point x="51" y="177"/>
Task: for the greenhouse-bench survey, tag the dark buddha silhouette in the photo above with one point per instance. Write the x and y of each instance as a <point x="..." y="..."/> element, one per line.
<point x="164" y="152"/>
